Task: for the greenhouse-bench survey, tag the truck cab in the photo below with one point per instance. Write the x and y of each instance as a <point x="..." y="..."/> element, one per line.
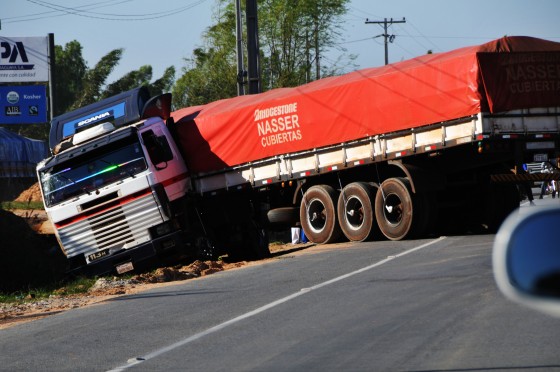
<point x="110" y="183"/>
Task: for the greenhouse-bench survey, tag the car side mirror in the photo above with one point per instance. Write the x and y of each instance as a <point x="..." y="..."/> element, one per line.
<point x="526" y="258"/>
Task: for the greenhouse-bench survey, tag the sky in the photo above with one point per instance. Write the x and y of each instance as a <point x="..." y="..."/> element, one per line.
<point x="164" y="33"/>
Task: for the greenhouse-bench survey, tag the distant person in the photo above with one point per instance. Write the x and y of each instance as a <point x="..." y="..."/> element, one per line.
<point x="544" y="183"/>
<point x="526" y="186"/>
<point x="548" y="185"/>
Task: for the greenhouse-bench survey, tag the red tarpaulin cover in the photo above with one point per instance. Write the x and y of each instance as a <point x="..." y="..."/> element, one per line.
<point x="505" y="74"/>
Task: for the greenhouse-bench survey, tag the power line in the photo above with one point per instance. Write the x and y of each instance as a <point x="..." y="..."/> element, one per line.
<point x="55" y="13"/>
<point x="97" y="5"/>
<point x="411" y="54"/>
<point x="62" y="10"/>
<point x="357" y="41"/>
<point x="419" y="32"/>
<point x="364" y="12"/>
<point x="77" y="11"/>
<point x="416" y="39"/>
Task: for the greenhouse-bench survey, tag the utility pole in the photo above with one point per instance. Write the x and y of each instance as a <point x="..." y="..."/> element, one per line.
<point x="253" y="63"/>
<point x="241" y="72"/>
<point x="386" y="23"/>
<point x="52" y="75"/>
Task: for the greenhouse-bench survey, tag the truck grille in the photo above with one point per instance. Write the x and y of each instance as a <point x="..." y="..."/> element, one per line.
<point x="113" y="228"/>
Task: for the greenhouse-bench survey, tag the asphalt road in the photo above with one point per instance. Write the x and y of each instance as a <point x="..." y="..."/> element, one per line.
<point x="414" y="305"/>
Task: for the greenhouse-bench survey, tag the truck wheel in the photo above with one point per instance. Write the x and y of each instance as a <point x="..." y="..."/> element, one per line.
<point x="318" y="214"/>
<point x="394" y="208"/>
<point x="355" y="212"/>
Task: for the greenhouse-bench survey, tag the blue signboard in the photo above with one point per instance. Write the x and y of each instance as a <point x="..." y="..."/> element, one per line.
<point x="23" y="104"/>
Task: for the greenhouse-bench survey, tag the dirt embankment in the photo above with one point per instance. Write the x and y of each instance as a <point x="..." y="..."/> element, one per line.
<point x="33" y="193"/>
<point x="106" y="288"/>
<point x="36" y="218"/>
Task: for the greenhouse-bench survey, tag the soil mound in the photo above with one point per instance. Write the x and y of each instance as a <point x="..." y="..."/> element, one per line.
<point x="33" y="193"/>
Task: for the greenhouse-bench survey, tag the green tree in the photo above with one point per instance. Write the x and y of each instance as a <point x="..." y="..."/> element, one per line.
<point x="141" y="77"/>
<point x="70" y="69"/>
<point x="294" y="34"/>
<point x="95" y="78"/>
<point x="210" y="74"/>
<point x="88" y="85"/>
<point x="165" y="83"/>
<point x="133" y="79"/>
<point x="294" y="44"/>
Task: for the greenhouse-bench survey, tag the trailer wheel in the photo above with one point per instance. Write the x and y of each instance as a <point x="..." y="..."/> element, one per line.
<point x="318" y="214"/>
<point x="355" y="212"/>
<point x="394" y="208"/>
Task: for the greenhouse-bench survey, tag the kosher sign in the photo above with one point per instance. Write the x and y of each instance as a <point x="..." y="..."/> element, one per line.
<point x="23" y="104"/>
<point x="24" y="59"/>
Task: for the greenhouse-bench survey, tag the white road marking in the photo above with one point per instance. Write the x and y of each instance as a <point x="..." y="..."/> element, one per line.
<point x="135" y="361"/>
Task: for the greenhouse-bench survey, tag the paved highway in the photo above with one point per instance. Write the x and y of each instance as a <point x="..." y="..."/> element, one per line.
<point x="414" y="305"/>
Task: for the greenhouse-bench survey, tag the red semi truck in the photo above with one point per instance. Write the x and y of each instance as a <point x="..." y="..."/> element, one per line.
<point x="383" y="153"/>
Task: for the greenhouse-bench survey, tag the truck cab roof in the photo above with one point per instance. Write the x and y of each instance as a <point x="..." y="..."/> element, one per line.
<point x="121" y="109"/>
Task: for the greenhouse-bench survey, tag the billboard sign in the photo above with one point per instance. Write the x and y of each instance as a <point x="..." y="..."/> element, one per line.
<point x="24" y="59"/>
<point x="23" y="104"/>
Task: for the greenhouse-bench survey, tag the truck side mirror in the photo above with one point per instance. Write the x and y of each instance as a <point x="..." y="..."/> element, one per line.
<point x="526" y="258"/>
<point x="158" y="106"/>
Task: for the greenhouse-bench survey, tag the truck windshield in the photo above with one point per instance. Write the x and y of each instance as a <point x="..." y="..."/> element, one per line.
<point x="92" y="170"/>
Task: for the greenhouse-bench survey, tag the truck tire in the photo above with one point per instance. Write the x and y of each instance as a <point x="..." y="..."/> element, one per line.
<point x="318" y="215"/>
<point x="394" y="208"/>
<point x="286" y="216"/>
<point x="355" y="212"/>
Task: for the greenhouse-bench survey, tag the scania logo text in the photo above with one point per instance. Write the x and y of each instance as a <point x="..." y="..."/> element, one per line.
<point x="94" y="118"/>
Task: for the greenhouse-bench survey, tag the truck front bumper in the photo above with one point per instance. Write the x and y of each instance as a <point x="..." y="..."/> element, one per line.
<point x="136" y="258"/>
